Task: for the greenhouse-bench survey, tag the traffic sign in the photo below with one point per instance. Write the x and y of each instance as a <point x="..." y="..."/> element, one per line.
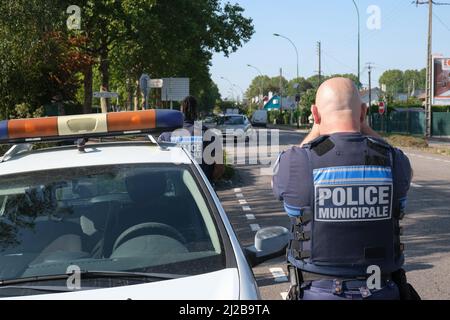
<point x="381" y="108"/>
<point x="156" y="83"/>
<point x="106" y="95"/>
<point x="145" y="85"/>
<point x="174" y="89"/>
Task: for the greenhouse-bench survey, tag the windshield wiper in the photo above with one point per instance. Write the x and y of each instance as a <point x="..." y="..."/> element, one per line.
<point x="93" y="275"/>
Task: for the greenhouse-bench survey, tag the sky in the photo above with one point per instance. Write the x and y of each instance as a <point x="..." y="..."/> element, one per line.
<point x="399" y="43"/>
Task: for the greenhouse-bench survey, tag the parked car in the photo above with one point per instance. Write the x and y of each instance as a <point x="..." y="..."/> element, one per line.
<point x="129" y="219"/>
<point x="235" y="125"/>
<point x="259" y="118"/>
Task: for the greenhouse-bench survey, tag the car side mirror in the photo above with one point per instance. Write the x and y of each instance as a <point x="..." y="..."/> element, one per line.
<point x="269" y="243"/>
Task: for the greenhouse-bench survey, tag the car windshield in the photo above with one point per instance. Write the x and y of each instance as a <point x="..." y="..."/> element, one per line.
<point x="231" y="120"/>
<point x="144" y="218"/>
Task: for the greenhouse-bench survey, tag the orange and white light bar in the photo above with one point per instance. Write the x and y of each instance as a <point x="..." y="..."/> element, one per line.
<point x="97" y="124"/>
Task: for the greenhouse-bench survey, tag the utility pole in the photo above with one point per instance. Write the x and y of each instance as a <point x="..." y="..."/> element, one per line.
<point x="319" y="53"/>
<point x="369" y="68"/>
<point x="429" y="86"/>
<point x="281" y="88"/>
<point x="359" y="44"/>
<point x="429" y="96"/>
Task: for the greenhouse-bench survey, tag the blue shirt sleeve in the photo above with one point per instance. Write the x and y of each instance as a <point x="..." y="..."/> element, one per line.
<point x="292" y="180"/>
<point x="164" y="137"/>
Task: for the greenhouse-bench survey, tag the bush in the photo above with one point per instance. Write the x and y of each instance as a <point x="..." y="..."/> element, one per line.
<point x="286" y="117"/>
<point x="3" y="149"/>
<point x="24" y="110"/>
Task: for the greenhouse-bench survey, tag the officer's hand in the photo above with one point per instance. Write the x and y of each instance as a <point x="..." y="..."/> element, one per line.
<point x="313" y="134"/>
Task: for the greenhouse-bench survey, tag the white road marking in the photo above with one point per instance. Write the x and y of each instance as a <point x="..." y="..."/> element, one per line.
<point x="255" y="227"/>
<point x="237" y="190"/>
<point x="427" y="157"/>
<point x="415" y="185"/>
<point x="284" y="295"/>
<point x="278" y="274"/>
<point x="239" y="195"/>
<point x="250" y="216"/>
<point x="242" y="201"/>
<point x="246" y="208"/>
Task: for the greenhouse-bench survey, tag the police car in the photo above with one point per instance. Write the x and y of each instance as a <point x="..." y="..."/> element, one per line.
<point x="116" y="220"/>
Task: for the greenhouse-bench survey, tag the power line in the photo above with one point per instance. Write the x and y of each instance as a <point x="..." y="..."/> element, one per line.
<point x="442" y="22"/>
<point x="338" y="61"/>
<point x="417" y="2"/>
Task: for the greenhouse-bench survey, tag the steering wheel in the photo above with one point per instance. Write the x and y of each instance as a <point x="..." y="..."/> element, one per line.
<point x="154" y="227"/>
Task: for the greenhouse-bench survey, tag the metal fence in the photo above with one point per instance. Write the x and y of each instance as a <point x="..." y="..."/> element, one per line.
<point x="412" y="122"/>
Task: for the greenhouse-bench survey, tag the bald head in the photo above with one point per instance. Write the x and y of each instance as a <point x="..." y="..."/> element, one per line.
<point x="338" y="106"/>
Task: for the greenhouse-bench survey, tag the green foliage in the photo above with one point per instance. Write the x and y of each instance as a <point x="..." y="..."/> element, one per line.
<point x="38" y="60"/>
<point x="397" y="81"/>
<point x="303" y="86"/>
<point x="24" y="110"/>
<point x="42" y="61"/>
<point x="441" y="108"/>
<point x="268" y="85"/>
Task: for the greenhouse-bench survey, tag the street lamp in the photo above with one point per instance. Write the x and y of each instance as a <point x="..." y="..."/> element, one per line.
<point x="242" y="91"/>
<point x="231" y="84"/>
<point x="295" y="47"/>
<point x="296" y="52"/>
<point x="261" y="84"/>
<point x="359" y="43"/>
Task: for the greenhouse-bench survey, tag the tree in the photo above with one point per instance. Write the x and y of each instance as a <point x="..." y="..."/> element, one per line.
<point x="303" y="84"/>
<point x="316" y="82"/>
<point x="163" y="48"/>
<point x="39" y="63"/>
<point x="208" y="97"/>
<point x="414" y="79"/>
<point x="393" y="80"/>
<point x="118" y="40"/>
<point x="268" y="85"/>
<point x="307" y="100"/>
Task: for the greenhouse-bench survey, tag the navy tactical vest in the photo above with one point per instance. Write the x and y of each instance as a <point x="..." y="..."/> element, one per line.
<point x="353" y="219"/>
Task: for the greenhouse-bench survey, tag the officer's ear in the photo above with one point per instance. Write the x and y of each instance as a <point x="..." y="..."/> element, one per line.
<point x="363" y="112"/>
<point x="315" y="113"/>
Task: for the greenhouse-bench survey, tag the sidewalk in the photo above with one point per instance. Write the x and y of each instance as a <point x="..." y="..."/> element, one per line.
<point x="439" y="142"/>
<point x="287" y="128"/>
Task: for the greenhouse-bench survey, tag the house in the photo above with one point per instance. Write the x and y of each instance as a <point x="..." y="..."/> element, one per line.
<point x="287" y="103"/>
<point x="376" y="95"/>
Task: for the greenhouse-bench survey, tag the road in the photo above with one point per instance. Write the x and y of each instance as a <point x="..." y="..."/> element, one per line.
<point x="250" y="205"/>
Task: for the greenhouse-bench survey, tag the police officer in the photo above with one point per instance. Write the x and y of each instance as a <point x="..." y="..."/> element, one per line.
<point x="204" y="145"/>
<point x="345" y="191"/>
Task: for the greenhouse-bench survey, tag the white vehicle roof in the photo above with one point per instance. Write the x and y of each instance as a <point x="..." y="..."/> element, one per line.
<point x="94" y="155"/>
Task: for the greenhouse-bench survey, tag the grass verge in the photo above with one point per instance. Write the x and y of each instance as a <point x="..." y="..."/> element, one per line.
<point x="416" y="142"/>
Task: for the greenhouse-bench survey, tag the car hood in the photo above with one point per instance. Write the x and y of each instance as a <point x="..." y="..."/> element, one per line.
<point x="219" y="285"/>
<point x="231" y="127"/>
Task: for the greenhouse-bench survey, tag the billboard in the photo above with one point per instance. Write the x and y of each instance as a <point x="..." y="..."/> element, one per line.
<point x="174" y="89"/>
<point x="441" y="81"/>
